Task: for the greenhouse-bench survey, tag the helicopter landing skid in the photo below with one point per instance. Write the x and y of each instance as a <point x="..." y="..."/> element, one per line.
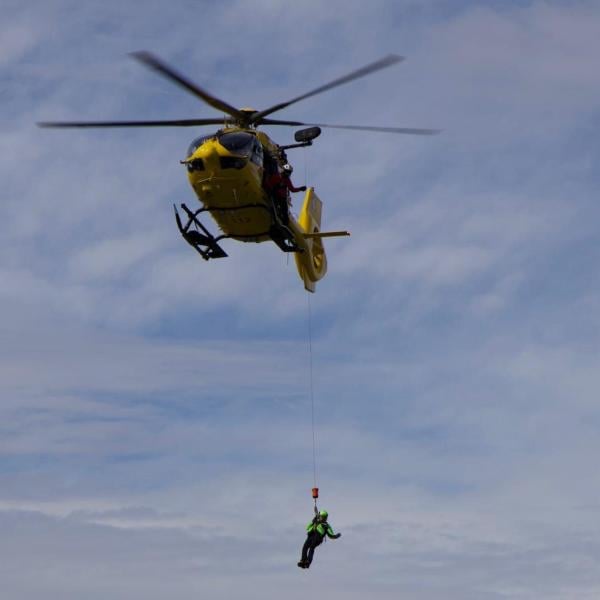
<point x="279" y="232"/>
<point x="284" y="238"/>
<point x="199" y="238"/>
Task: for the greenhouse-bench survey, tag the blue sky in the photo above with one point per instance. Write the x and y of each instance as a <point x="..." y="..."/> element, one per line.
<point x="155" y="415"/>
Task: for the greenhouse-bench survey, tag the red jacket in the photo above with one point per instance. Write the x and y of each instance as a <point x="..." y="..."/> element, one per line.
<point x="280" y="184"/>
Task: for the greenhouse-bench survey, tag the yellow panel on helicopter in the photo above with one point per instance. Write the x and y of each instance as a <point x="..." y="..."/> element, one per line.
<point x="312" y="261"/>
<point x="226" y="174"/>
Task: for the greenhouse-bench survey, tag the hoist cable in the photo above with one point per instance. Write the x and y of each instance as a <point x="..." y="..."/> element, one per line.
<point x="315" y="490"/>
<point x="312" y="395"/>
<point x="305" y="166"/>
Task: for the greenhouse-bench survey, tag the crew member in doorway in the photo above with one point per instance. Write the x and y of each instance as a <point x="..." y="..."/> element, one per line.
<point x="279" y="185"/>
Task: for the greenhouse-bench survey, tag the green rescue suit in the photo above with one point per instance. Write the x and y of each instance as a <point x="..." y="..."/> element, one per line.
<point x="316" y="530"/>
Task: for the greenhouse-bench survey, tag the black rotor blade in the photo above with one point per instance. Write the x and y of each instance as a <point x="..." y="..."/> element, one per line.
<point x="177" y="123"/>
<point x="154" y="63"/>
<point x="406" y="130"/>
<point x="387" y="61"/>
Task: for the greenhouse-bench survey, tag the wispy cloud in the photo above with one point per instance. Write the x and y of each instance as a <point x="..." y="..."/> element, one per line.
<point x="156" y="421"/>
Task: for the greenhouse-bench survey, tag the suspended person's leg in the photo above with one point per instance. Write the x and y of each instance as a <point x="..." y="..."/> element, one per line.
<point x="304" y="559"/>
<point x="315" y="541"/>
<point x="309" y="558"/>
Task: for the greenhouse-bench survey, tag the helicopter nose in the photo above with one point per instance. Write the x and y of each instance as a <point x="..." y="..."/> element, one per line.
<point x="208" y="157"/>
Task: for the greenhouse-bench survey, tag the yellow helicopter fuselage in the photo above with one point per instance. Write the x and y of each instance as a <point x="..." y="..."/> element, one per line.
<point x="227" y="170"/>
<point x="228" y="181"/>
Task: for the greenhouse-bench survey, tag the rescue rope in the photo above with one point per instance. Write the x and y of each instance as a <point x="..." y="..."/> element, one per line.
<point x="305" y="166"/>
<point x="315" y="489"/>
<point x="312" y="395"/>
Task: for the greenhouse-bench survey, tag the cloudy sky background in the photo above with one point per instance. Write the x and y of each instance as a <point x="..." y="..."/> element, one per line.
<point x="154" y="409"/>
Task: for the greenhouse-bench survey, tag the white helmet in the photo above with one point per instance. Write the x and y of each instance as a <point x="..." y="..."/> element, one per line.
<point x="287" y="168"/>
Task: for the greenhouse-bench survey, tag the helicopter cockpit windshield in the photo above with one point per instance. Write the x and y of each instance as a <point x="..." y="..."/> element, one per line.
<point x="238" y="142"/>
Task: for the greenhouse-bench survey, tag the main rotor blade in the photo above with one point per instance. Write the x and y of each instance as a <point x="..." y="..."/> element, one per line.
<point x="406" y="130"/>
<point x="382" y="63"/>
<point x="156" y="64"/>
<point x="179" y="123"/>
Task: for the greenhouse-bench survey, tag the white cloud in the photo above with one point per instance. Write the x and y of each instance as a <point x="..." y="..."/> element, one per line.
<point x="155" y="412"/>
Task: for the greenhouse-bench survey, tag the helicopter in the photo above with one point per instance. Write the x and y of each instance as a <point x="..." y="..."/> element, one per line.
<point x="238" y="173"/>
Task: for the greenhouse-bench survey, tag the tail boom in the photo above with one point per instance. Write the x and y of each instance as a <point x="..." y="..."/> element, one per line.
<point x="311" y="262"/>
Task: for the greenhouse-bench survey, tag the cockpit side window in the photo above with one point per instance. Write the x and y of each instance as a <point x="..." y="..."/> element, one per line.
<point x="197" y="143"/>
<point x="257" y="153"/>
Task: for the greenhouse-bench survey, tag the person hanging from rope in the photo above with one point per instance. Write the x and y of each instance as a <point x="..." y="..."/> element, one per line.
<point x="316" y="530"/>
